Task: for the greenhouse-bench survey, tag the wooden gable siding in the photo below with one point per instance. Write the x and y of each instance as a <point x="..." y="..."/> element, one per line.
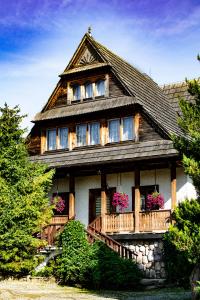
<point x="146" y="131"/>
<point x="115" y="87"/>
<point x="34" y="141"/>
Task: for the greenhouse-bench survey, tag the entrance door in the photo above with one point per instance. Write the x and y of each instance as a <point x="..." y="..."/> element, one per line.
<point x="95" y="202"/>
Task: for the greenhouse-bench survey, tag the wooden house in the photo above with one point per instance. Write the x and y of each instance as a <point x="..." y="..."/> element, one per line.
<point x="105" y="128"/>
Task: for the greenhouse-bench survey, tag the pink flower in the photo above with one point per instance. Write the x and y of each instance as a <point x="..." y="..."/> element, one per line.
<point x="120" y="200"/>
<point x="154" y="201"/>
<point x="59" y="203"/>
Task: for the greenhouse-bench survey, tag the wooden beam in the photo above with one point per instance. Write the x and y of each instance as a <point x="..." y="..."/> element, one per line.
<point x="71" y="196"/>
<point x="43" y="142"/>
<point x="136" y="126"/>
<point x="137" y="200"/>
<point x="173" y="185"/>
<point x="103" y="194"/>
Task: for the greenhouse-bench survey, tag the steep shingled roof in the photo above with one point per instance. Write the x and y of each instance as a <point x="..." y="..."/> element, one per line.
<point x="144" y="90"/>
<point x="174" y="92"/>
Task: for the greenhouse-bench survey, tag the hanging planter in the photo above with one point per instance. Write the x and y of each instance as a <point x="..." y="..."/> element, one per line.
<point x="59" y="203"/>
<point x="120" y="200"/>
<point x="154" y="201"/>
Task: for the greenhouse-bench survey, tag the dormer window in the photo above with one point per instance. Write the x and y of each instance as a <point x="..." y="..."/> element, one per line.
<point x="88" y="90"/>
<point x="76" y="92"/>
<point x="100" y="88"/>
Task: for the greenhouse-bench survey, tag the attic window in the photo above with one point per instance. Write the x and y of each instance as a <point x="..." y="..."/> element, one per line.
<point x="100" y="88"/>
<point x="76" y="92"/>
<point x="88" y="90"/>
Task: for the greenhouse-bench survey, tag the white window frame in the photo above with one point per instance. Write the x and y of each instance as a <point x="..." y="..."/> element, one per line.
<point x="47" y="139"/>
<point x="58" y="131"/>
<point x="96" y="90"/>
<point x="122" y="122"/>
<point x="88" y="84"/>
<point x="76" y="86"/>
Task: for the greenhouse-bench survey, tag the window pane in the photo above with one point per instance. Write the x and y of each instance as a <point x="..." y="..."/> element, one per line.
<point x="94" y="129"/>
<point x="51" y="139"/>
<point x="63" y="137"/>
<point x="114" y="135"/>
<point x="81" y="131"/>
<point x="100" y="88"/>
<point x="77" y="92"/>
<point x="88" y="90"/>
<point x="127" y="128"/>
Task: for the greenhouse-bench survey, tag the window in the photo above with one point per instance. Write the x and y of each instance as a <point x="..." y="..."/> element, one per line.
<point x="63" y="138"/>
<point x="88" y="90"/>
<point x="114" y="131"/>
<point x="81" y="132"/>
<point x="127" y="128"/>
<point x="94" y="133"/>
<point x="144" y="192"/>
<point x="100" y="88"/>
<point x="76" y="92"/>
<point x="51" y="139"/>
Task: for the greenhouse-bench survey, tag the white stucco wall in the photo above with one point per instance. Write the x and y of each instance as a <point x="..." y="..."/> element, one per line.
<point x="124" y="183"/>
<point x="82" y="186"/>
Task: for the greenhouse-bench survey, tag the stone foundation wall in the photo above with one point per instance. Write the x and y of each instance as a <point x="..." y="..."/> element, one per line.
<point x="150" y="256"/>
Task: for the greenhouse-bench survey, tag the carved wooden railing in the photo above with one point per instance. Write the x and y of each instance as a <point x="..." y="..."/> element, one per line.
<point x="118" y="222"/>
<point x="56" y="226"/>
<point x="93" y="234"/>
<point x="157" y="220"/>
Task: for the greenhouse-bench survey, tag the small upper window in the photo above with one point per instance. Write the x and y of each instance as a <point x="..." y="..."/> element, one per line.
<point x="63" y="138"/>
<point x="81" y="132"/>
<point x="88" y="90"/>
<point x="51" y="139"/>
<point x="76" y="92"/>
<point x="94" y="133"/>
<point x="127" y="128"/>
<point x="114" y="130"/>
<point x="100" y="88"/>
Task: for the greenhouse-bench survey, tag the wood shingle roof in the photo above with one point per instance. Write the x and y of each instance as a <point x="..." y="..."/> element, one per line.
<point x="103" y="155"/>
<point x="141" y="88"/>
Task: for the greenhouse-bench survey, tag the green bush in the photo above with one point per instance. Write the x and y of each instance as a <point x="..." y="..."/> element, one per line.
<point x="93" y="266"/>
<point x="111" y="271"/>
<point x="177" y="266"/>
<point x="73" y="264"/>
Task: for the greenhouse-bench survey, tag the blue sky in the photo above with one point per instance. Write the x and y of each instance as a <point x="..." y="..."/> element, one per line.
<point x="38" y="37"/>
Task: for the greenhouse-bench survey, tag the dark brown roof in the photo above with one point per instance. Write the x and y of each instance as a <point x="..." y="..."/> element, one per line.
<point x="175" y="91"/>
<point x="144" y="90"/>
<point x="107" y="154"/>
<point x="84" y="108"/>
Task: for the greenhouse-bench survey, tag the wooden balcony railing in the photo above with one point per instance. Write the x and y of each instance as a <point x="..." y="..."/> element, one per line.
<point x="157" y="220"/>
<point x="118" y="222"/>
<point x="56" y="226"/>
<point x="150" y="221"/>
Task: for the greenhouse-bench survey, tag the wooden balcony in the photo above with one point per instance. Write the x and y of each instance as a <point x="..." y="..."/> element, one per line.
<point x="149" y="221"/>
<point x="56" y="226"/>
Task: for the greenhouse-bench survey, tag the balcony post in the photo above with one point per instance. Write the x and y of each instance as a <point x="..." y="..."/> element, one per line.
<point x="173" y="185"/>
<point x="103" y="194"/>
<point x="71" y="196"/>
<point x="137" y="200"/>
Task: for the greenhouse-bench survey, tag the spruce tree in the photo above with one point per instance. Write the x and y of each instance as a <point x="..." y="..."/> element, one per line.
<point x="185" y="234"/>
<point x="24" y="205"/>
<point x="188" y="145"/>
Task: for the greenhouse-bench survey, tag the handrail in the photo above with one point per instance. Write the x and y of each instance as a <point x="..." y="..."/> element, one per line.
<point x="95" y="234"/>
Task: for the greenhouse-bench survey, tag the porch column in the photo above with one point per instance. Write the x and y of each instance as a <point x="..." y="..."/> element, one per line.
<point x="137" y="200"/>
<point x="103" y="194"/>
<point x="71" y="196"/>
<point x="173" y="185"/>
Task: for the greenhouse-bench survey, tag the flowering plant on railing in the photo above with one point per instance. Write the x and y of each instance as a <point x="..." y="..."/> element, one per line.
<point x="59" y="203"/>
<point x="154" y="201"/>
<point x="120" y="200"/>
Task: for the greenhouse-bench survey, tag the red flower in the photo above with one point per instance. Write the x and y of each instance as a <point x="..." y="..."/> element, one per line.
<point x="59" y="203"/>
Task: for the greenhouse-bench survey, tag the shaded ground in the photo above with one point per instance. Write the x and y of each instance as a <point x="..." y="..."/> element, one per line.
<point x="18" y="290"/>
